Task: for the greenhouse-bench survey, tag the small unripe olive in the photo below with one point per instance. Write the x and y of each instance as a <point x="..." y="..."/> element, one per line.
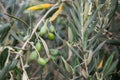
<point x="42" y="61"/>
<point x="38" y="46"/>
<point x="43" y="30"/>
<point x="51" y="36"/>
<point x="33" y="55"/>
<point x="52" y="57"/>
<point x="54" y="52"/>
<point x="52" y="29"/>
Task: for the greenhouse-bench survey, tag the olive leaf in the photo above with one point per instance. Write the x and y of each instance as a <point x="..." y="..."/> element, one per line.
<point x="67" y="66"/>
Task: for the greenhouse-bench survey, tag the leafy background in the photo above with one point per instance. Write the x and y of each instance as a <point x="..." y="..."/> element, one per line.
<point x="74" y="54"/>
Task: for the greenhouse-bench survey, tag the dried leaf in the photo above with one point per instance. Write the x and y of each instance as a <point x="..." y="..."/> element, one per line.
<point x="100" y="65"/>
<point x="55" y="15"/>
<point x="39" y="7"/>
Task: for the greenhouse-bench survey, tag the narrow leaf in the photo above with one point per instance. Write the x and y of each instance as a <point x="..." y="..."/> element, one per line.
<point x="67" y="66"/>
<point x="4" y="71"/>
<point x="114" y="64"/>
<point x="107" y="64"/>
<point x="92" y="17"/>
<point x="99" y="47"/>
<point x="3" y="57"/>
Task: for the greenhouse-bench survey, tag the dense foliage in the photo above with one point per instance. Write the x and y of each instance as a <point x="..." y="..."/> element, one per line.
<point x="59" y="40"/>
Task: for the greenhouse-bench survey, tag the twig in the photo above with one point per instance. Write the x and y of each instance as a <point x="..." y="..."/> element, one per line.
<point x="34" y="30"/>
<point x="18" y="19"/>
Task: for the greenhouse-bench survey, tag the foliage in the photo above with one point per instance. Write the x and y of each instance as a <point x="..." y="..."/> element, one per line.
<point x="58" y="40"/>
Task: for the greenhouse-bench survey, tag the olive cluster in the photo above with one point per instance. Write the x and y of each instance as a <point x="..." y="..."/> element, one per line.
<point x="38" y="46"/>
<point x="35" y="54"/>
<point x="51" y="30"/>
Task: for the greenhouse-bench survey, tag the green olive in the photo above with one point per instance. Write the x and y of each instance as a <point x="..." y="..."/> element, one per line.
<point x="52" y="29"/>
<point x="43" y="30"/>
<point x="52" y="57"/>
<point x="42" y="61"/>
<point x="54" y="52"/>
<point x="38" y="46"/>
<point x="51" y="36"/>
<point x="33" y="55"/>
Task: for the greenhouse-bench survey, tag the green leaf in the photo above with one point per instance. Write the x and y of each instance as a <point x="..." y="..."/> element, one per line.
<point x="76" y="20"/>
<point x="4" y="27"/>
<point x="107" y="64"/>
<point x="13" y="64"/>
<point x="7" y="68"/>
<point x="75" y="33"/>
<point x="4" y="71"/>
<point x="70" y="46"/>
<point x="67" y="66"/>
<point x="114" y="41"/>
<point x="113" y="65"/>
<point x="3" y="57"/>
<point x="13" y="33"/>
<point x="98" y="47"/>
<point x="88" y="22"/>
<point x="4" y="30"/>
